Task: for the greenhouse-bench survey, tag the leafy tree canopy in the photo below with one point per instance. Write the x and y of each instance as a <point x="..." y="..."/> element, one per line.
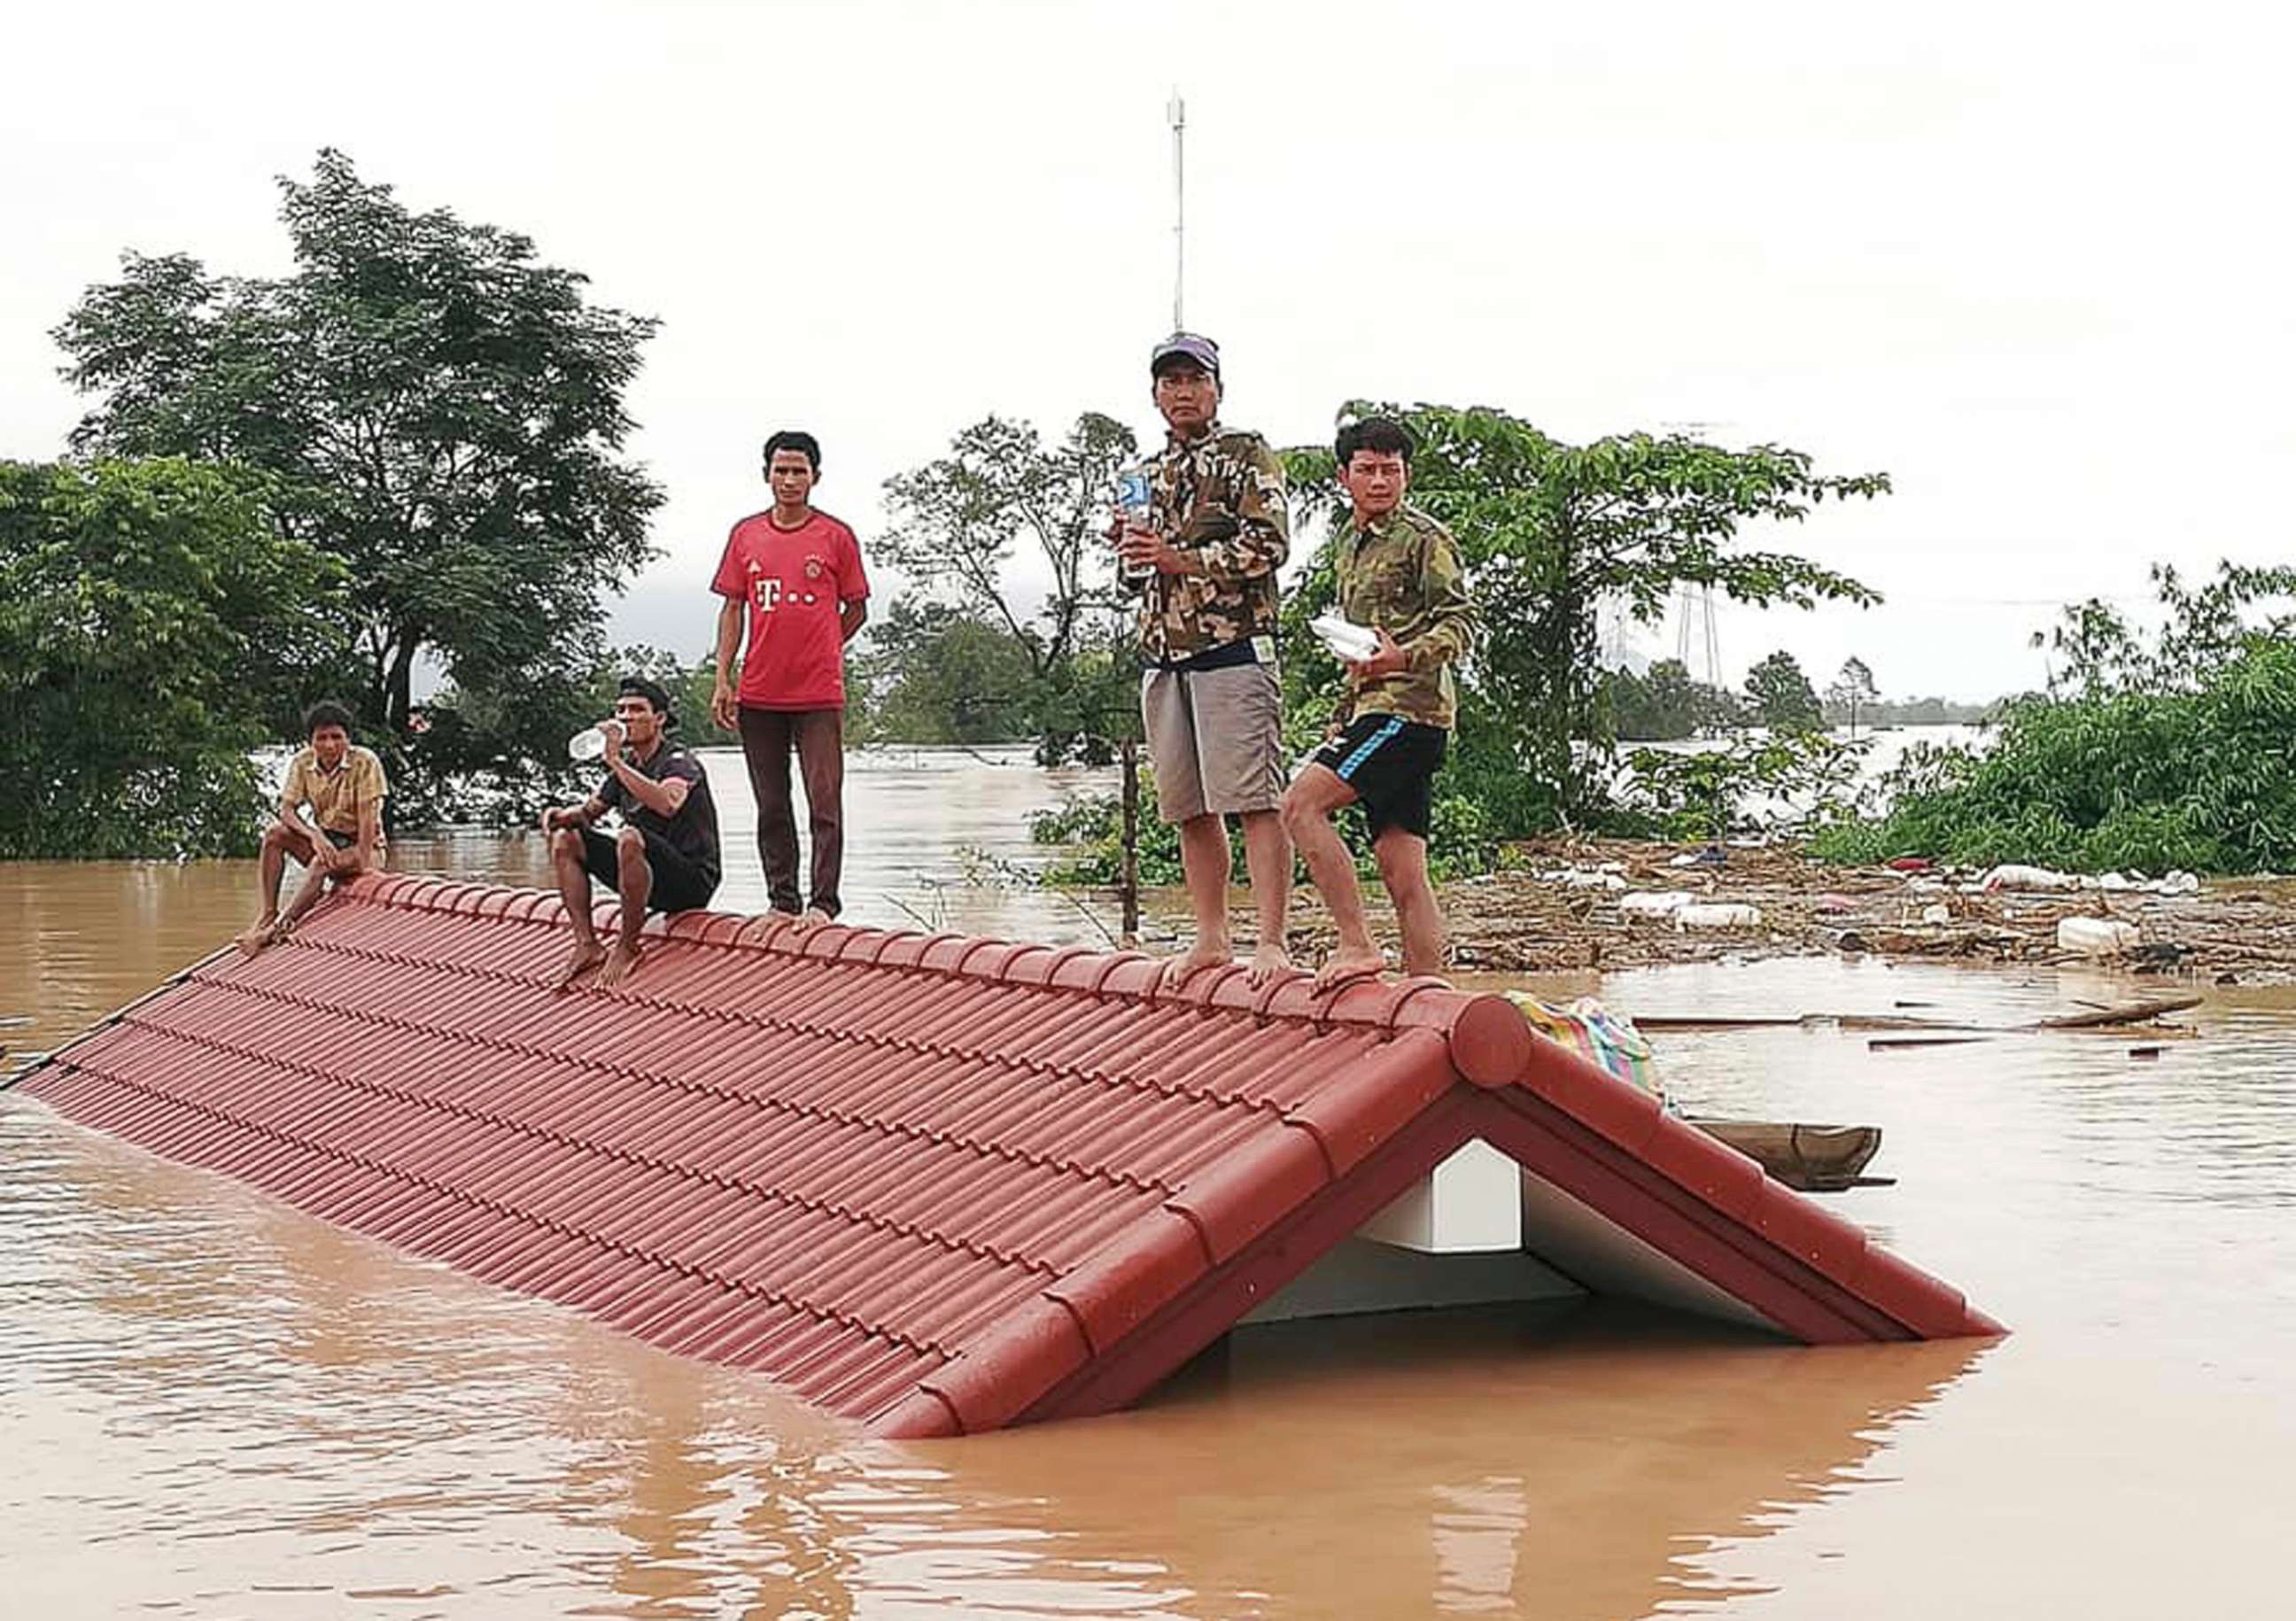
<point x="436" y="406"/>
<point x="1551" y="532"/>
<point x="151" y="621"/>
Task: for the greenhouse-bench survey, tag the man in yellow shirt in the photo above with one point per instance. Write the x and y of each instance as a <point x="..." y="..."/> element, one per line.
<point x="343" y="788"/>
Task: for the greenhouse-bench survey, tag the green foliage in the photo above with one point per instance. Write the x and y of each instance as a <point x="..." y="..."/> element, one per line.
<point x="1091" y="828"/>
<point x="2172" y="755"/>
<point x="940" y="674"/>
<point x="435" y="407"/>
<point x="1786" y="780"/>
<point x="1782" y="697"/>
<point x="1461" y="844"/>
<point x="1663" y="705"/>
<point x="1916" y="712"/>
<point x="151" y="620"/>
<point x="1551" y="532"/>
<point x="966" y="664"/>
<point x="1852" y="695"/>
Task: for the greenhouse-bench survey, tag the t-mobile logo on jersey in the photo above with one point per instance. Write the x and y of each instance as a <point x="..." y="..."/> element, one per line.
<point x="766" y="591"/>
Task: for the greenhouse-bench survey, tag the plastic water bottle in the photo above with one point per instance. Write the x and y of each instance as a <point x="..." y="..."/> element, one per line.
<point x="1345" y="639"/>
<point x="1135" y="503"/>
<point x="588" y="744"/>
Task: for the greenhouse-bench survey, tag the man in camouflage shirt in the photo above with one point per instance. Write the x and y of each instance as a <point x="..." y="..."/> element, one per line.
<point x="1205" y="566"/>
<point x="1399" y="574"/>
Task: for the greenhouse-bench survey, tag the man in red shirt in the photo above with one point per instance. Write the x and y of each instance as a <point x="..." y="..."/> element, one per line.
<point x="794" y="575"/>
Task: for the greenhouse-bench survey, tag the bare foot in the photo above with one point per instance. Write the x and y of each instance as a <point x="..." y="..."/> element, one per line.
<point x="814" y="918"/>
<point x="1345" y="966"/>
<point x="620" y="962"/>
<point x="257" y="935"/>
<point x="585" y="956"/>
<point x="1269" y="961"/>
<point x="1176" y="972"/>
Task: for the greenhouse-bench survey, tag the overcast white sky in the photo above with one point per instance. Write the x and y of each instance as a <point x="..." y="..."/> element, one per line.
<point x="2033" y="261"/>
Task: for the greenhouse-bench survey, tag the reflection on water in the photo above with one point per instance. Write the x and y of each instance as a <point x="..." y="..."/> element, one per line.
<point x="210" y="1405"/>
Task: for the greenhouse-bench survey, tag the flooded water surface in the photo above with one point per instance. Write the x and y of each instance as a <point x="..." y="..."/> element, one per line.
<point x="211" y="1406"/>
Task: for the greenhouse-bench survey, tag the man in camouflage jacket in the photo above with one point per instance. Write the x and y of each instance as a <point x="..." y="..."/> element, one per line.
<point x="1399" y="574"/>
<point x="1204" y="564"/>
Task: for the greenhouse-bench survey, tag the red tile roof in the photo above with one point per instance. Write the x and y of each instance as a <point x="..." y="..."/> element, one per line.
<point x="939" y="1184"/>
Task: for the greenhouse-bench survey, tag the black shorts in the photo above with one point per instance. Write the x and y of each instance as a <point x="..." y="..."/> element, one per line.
<point x="346" y="841"/>
<point x="1390" y="764"/>
<point x="679" y="884"/>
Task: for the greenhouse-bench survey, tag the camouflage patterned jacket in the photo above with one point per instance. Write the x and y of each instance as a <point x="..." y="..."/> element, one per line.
<point x="1403" y="574"/>
<point x="1220" y="496"/>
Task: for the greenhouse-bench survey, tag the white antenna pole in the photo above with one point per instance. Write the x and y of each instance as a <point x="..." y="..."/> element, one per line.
<point x="1177" y="110"/>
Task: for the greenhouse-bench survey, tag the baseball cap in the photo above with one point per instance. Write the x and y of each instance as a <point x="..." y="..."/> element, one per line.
<point x="1186" y="346"/>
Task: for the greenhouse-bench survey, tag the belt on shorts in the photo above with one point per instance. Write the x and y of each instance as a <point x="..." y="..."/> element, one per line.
<point x="1226" y="656"/>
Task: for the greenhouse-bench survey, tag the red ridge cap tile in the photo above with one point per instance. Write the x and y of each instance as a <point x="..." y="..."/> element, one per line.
<point x="991" y="1381"/>
<point x="1929" y="1308"/>
<point x="1490" y="1041"/>
<point x="941" y="953"/>
<point x="923" y="1414"/>
<point x="536" y="906"/>
<point x="1626" y="1115"/>
<point x="1116" y="1290"/>
<point x="824" y="940"/>
<point x="709" y="927"/>
<point x="1133" y="974"/>
<point x="862" y="944"/>
<point x="1729" y="1180"/>
<point x="1242" y="1194"/>
<point x="1392" y="1086"/>
<point x="1033" y="963"/>
<point x="759" y="931"/>
<point x="1818" y="1239"/>
<point x="905" y="949"/>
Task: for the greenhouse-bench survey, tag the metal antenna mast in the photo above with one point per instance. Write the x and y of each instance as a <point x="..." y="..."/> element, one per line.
<point x="1176" y="110"/>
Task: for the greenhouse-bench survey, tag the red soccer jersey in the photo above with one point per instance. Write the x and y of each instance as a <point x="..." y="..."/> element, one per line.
<point x="793" y="581"/>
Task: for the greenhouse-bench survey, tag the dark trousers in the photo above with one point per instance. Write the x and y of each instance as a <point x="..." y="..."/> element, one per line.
<point x="818" y="736"/>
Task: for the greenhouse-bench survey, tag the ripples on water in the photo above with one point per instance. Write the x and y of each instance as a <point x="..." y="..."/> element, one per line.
<point x="210" y="1405"/>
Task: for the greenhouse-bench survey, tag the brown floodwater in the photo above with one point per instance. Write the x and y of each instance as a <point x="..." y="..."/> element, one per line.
<point x="211" y="1406"/>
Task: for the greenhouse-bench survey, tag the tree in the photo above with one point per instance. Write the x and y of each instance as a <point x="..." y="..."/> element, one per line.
<point x="1852" y="690"/>
<point x="957" y="520"/>
<point x="943" y="675"/>
<point x="1659" y="705"/>
<point x="957" y="524"/>
<point x="1783" y="698"/>
<point x="2171" y="753"/>
<point x="1551" y="531"/>
<point x="151" y="619"/>
<point x="437" y="406"/>
<point x="2206" y="627"/>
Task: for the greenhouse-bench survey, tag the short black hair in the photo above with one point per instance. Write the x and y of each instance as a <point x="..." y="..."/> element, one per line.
<point x="799" y="440"/>
<point x="1380" y="435"/>
<point x="326" y="712"/>
<point x="652" y="692"/>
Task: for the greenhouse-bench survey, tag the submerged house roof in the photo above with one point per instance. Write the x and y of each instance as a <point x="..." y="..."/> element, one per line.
<point x="934" y="1184"/>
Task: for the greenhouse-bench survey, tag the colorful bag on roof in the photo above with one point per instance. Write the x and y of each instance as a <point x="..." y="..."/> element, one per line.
<point x="1607" y="1040"/>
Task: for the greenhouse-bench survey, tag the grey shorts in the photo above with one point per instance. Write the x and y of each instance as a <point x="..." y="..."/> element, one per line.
<point x="1215" y="740"/>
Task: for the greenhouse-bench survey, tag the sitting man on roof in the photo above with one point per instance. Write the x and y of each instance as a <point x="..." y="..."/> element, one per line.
<point x="343" y="787"/>
<point x="664" y="858"/>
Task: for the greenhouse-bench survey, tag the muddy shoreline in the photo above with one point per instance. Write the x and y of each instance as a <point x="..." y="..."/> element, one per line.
<point x="1556" y="907"/>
